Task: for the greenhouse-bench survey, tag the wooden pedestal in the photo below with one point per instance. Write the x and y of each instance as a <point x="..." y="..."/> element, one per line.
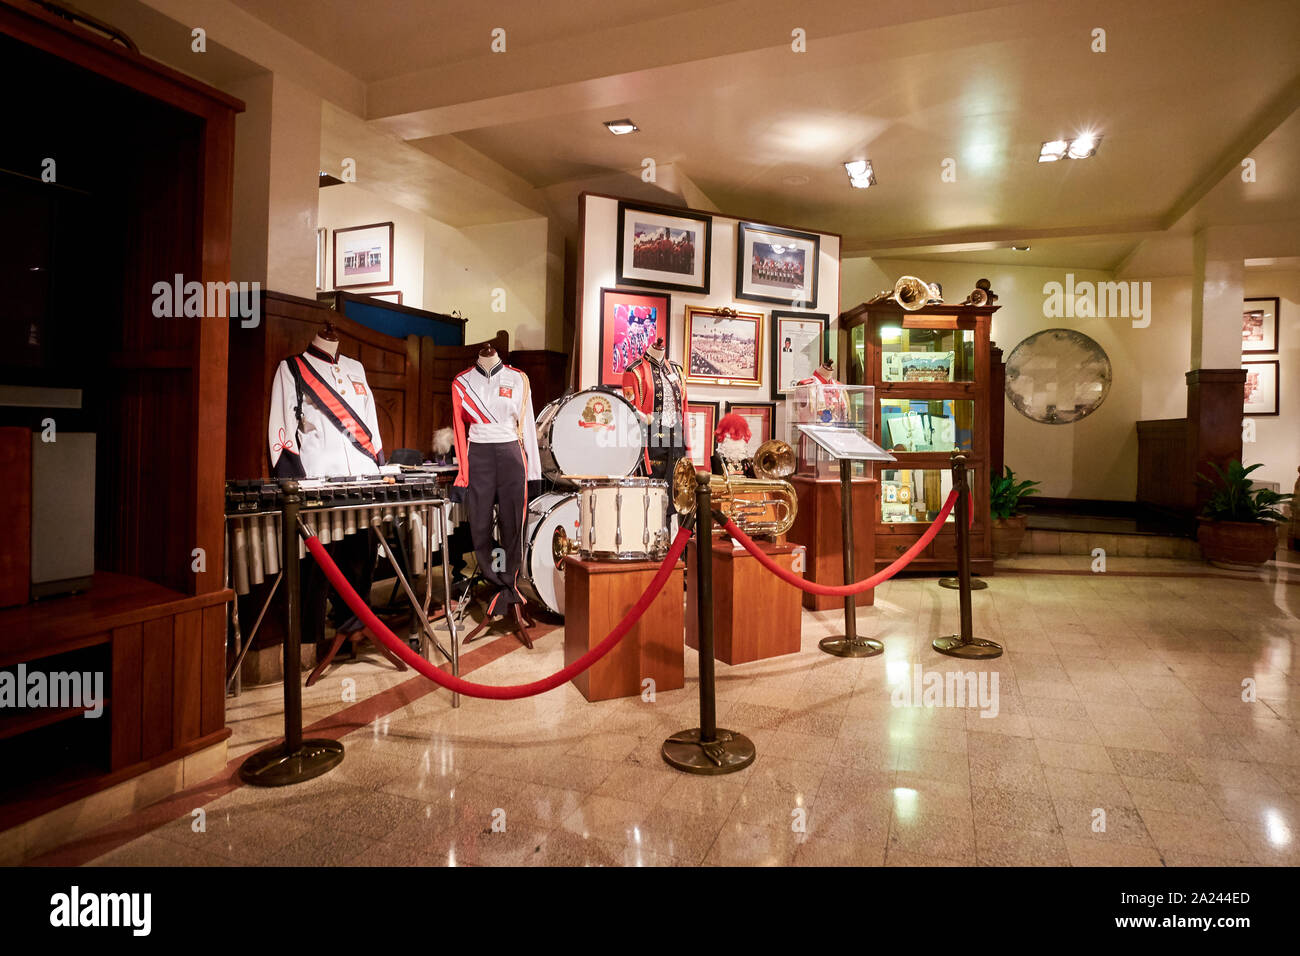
<point x="596" y="596"/>
<point x="755" y="614"/>
<point x="818" y="528"/>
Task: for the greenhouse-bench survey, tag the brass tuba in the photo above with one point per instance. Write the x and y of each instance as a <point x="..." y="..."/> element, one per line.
<point x="746" y="501"/>
<point x="912" y="294"/>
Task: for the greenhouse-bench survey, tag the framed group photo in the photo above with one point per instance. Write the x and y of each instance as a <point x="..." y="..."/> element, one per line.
<point x="776" y="265"/>
<point x="363" y="255"/>
<point x="663" y="250"/>
<point x="1259" y="326"/>
<point x="800" y="344"/>
<point x="761" y="419"/>
<point x="1262" y="392"/>
<point x="723" y="347"/>
<point x="629" y="323"/>
<point x="701" y="423"/>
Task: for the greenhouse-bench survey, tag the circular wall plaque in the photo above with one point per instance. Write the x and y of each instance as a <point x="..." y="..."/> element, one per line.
<point x="1057" y="376"/>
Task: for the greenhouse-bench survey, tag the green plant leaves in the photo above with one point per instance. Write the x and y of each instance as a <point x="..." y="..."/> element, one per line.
<point x="1005" y="493"/>
<point x="1234" y="497"/>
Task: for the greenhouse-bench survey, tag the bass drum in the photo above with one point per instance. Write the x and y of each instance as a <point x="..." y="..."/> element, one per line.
<point x="542" y="582"/>
<point x="592" y="432"/>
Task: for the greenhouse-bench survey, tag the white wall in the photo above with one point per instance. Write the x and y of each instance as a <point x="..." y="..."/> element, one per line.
<point x="598" y="270"/>
<point x="1095" y="458"/>
<point x="444" y="269"/>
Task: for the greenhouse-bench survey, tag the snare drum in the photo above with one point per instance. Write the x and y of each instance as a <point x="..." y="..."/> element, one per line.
<point x="592" y="432"/>
<point x="543" y="579"/>
<point x="623" y="519"/>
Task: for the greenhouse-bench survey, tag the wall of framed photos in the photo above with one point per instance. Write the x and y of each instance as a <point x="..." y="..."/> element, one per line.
<point x="660" y="254"/>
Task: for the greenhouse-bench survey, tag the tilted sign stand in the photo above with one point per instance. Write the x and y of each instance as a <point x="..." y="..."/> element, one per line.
<point x="847" y="446"/>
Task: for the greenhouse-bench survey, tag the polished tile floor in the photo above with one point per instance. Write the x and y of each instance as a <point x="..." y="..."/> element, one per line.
<point x="1121" y="738"/>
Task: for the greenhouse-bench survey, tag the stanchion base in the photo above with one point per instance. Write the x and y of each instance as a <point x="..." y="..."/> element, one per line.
<point x="952" y="584"/>
<point x="279" y="768"/>
<point x="974" y="649"/>
<point x="843" y="647"/>
<point x="727" y="753"/>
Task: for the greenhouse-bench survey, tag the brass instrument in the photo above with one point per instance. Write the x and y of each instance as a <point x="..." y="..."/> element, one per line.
<point x="733" y="496"/>
<point x="911" y="293"/>
<point x="982" y="294"/>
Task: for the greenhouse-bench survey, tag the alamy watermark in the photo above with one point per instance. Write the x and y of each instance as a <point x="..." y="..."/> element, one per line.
<point x="949" y="689"/>
<point x="196" y="300"/>
<point x="1098" y="300"/>
<point x="21" y="688"/>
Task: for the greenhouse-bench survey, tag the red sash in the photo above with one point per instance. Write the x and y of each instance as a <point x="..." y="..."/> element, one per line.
<point x="335" y="408"/>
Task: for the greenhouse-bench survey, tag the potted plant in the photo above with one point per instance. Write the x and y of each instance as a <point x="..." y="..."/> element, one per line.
<point x="1004" y="502"/>
<point x="1238" y="525"/>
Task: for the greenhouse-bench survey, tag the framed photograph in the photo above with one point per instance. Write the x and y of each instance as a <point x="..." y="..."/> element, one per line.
<point x="363" y="255"/>
<point x="800" y="344"/>
<point x="701" y="423"/>
<point x="392" y="295"/>
<point x="664" y="250"/>
<point x="1262" y="392"/>
<point x="916" y="366"/>
<point x="776" y="265"/>
<point x="322" y="244"/>
<point x="723" y="347"/>
<point x="1259" y="326"/>
<point x="761" y="419"/>
<point x="629" y="323"/>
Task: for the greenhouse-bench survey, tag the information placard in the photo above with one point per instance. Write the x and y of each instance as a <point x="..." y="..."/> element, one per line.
<point x="840" y="442"/>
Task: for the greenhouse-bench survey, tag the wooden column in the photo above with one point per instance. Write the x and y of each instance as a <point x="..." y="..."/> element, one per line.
<point x="1214" y="414"/>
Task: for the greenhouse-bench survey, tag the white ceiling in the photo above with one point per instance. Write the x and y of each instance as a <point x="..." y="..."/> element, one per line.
<point x="1185" y="89"/>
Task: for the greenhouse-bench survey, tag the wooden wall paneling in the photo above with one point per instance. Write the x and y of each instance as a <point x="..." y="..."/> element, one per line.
<point x="426" y="420"/>
<point x="212" y="708"/>
<point x="1164" y="465"/>
<point x="412" y="437"/>
<point x="16" y="516"/>
<point x="1214" y="413"/>
<point x="126" y="692"/>
<point x="157" y="653"/>
<point x="187" y="676"/>
<point x="546" y="371"/>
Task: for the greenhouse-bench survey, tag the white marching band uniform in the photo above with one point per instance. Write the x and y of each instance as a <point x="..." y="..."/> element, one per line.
<point x="315" y="446"/>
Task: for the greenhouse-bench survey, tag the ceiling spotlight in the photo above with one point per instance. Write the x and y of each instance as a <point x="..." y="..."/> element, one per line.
<point x="1020" y="248"/>
<point x="1081" y="147"/>
<point x="621" y="127"/>
<point x="860" y="173"/>
<point x="1084" y="145"/>
<point x="1053" y="150"/>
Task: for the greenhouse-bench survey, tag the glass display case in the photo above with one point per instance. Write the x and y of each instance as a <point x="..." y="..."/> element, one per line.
<point x="934" y="394"/>
<point x="818" y="403"/>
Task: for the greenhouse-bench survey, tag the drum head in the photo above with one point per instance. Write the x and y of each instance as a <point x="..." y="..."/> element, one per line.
<point x="594" y="433"/>
<point x="542" y="578"/>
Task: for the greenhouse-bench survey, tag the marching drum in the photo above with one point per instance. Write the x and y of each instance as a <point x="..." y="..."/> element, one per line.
<point x="543" y="577"/>
<point x="592" y="432"/>
<point x="623" y="519"/>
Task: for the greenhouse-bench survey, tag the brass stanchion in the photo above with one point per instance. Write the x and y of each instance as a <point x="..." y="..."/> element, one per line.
<point x="708" y="748"/>
<point x="296" y="759"/>
<point x="952" y="584"/>
<point x="964" y="644"/>
<point x="850" y="645"/>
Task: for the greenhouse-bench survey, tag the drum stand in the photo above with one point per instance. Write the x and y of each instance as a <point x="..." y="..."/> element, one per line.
<point x="520" y="621"/>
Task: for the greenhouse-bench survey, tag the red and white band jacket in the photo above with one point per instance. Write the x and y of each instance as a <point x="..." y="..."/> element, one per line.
<point x="491" y="407"/>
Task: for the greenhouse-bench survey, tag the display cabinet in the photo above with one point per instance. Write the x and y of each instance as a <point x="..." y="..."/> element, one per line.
<point x="930" y="370"/>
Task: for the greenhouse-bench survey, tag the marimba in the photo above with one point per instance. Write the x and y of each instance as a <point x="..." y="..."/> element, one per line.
<point x="411" y="503"/>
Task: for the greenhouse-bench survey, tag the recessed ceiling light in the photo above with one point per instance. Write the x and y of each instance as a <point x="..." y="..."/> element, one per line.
<point x="621" y="127"/>
<point x="1020" y="248"/>
<point x="795" y="180"/>
<point x="1081" y="147"/>
<point x="860" y="173"/>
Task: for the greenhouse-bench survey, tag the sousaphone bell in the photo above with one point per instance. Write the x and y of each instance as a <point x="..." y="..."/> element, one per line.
<point x="749" y="502"/>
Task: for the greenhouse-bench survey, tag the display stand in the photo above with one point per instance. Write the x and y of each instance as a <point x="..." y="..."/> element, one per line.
<point x="596" y="596"/>
<point x="817" y="528"/>
<point x="847" y="446"/>
<point x="708" y="748"/>
<point x="295" y="760"/>
<point x="755" y="614"/>
<point x="964" y="645"/>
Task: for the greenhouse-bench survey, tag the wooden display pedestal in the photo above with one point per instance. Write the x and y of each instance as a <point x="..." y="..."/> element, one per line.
<point x="818" y="528"/>
<point x="755" y="614"/>
<point x="596" y="596"/>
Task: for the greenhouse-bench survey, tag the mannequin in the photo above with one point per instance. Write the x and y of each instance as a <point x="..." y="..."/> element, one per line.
<point x="323" y="425"/>
<point x="498" y="470"/>
<point x="826" y="398"/>
<point x="731" y="444"/>
<point x="657" y="390"/>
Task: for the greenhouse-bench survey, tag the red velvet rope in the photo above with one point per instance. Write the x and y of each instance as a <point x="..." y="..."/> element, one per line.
<point x="489" y="691"/>
<point x="844" y="590"/>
